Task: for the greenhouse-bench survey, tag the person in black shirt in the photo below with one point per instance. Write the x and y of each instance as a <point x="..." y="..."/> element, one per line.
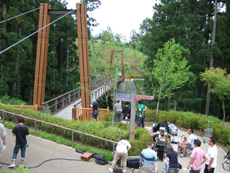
<point x="126" y="111"/>
<point x="171" y="159"/>
<point x="20" y="131"/>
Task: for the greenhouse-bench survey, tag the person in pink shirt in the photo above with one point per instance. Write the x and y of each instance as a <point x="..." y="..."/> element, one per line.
<point x="198" y="157"/>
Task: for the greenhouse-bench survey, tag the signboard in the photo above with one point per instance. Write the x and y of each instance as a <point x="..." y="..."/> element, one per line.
<point x="143" y="97"/>
<point x="124" y="95"/>
<point x="123" y="99"/>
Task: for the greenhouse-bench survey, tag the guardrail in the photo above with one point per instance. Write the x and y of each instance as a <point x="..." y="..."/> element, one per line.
<point x="58" y="103"/>
<point x="22" y="106"/>
<point x="61" y="127"/>
<point x="81" y="114"/>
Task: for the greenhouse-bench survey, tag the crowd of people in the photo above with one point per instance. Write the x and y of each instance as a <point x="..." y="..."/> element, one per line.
<point x="197" y="158"/>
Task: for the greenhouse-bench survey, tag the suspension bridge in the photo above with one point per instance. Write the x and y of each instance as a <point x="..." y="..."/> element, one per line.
<point x="66" y="105"/>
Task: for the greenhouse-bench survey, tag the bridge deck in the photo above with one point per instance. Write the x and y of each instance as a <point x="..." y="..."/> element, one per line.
<point x="66" y="112"/>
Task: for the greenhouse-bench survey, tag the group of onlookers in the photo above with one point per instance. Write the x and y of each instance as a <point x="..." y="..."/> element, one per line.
<point x="198" y="157"/>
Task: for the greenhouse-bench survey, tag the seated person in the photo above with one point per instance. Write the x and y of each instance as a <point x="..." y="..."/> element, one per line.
<point x="188" y="144"/>
<point x="148" y="153"/>
<point x="153" y="132"/>
<point x="171" y="159"/>
<point x="170" y="125"/>
<point x="126" y="111"/>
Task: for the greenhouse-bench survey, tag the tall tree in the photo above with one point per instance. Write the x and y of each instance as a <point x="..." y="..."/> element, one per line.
<point x="170" y="71"/>
<point x="220" y="82"/>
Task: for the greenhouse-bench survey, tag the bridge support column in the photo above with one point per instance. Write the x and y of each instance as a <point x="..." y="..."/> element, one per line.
<point x="122" y="66"/>
<point x="83" y="56"/>
<point x="41" y="56"/>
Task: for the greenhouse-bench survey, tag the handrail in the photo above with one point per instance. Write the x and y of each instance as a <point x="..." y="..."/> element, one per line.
<point x="60" y="96"/>
<point x="58" y="127"/>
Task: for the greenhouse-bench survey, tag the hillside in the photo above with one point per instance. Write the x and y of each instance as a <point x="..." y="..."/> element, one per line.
<point x="100" y="53"/>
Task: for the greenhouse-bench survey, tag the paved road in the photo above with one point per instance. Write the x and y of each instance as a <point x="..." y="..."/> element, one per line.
<point x="41" y="150"/>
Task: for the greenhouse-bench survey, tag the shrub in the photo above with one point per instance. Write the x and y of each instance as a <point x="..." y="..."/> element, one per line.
<point x="101" y="129"/>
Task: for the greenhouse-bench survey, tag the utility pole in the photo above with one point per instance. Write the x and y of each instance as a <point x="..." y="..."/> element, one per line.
<point x="211" y="60"/>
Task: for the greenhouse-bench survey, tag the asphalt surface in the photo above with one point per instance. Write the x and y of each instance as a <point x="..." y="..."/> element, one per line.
<point x="41" y="150"/>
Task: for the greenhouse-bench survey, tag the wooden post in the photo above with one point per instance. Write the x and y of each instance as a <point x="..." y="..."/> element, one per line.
<point x="77" y="114"/>
<point x="22" y="106"/>
<point x="122" y="66"/>
<point x="82" y="32"/>
<point x="55" y="106"/>
<point x="36" y="107"/>
<point x="41" y="56"/>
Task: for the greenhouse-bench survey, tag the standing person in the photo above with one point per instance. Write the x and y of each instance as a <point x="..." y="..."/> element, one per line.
<point x="140" y="113"/>
<point x="212" y="155"/>
<point x="190" y="143"/>
<point x="126" y="111"/>
<point x="118" y="111"/>
<point x="2" y="138"/>
<point x="20" y="131"/>
<point x="198" y="157"/>
<point x="122" y="149"/>
<point x="95" y="110"/>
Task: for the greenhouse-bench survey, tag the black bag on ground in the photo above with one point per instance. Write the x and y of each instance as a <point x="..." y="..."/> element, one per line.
<point x="101" y="161"/>
<point x="95" y="155"/>
<point x="80" y="151"/>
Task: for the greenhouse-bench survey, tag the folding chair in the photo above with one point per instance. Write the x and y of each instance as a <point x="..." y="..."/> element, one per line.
<point x="174" y="168"/>
<point x="146" y="168"/>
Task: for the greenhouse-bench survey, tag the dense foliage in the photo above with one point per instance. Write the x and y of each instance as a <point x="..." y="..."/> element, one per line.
<point x="190" y="23"/>
<point x="17" y="65"/>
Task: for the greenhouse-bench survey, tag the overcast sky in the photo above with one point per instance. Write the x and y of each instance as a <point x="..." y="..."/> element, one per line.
<point x="121" y="15"/>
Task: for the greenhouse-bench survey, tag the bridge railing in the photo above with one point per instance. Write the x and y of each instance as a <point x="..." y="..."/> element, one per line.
<point x="37" y="123"/>
<point x="56" y="104"/>
<point x="22" y="106"/>
<point x="81" y="114"/>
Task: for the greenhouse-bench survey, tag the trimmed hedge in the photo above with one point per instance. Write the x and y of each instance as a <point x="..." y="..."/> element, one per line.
<point x="197" y="121"/>
<point x="101" y="129"/>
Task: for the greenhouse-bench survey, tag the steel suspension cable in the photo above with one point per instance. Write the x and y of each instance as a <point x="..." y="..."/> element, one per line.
<point x="21" y="14"/>
<point x="37" y="31"/>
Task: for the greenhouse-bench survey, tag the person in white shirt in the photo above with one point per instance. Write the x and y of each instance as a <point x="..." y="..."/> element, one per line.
<point x="122" y="149"/>
<point x="190" y="143"/>
<point x="2" y="138"/>
<point x="212" y="155"/>
<point x="171" y="125"/>
<point x="118" y="111"/>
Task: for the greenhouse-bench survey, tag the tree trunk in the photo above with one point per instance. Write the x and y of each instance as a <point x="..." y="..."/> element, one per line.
<point x="211" y="61"/>
<point x="175" y="102"/>
<point x="169" y="100"/>
<point x="223" y="112"/>
<point x="158" y="103"/>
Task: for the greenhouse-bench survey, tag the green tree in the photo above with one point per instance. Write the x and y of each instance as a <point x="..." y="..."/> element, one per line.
<point x="220" y="82"/>
<point x="170" y="71"/>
